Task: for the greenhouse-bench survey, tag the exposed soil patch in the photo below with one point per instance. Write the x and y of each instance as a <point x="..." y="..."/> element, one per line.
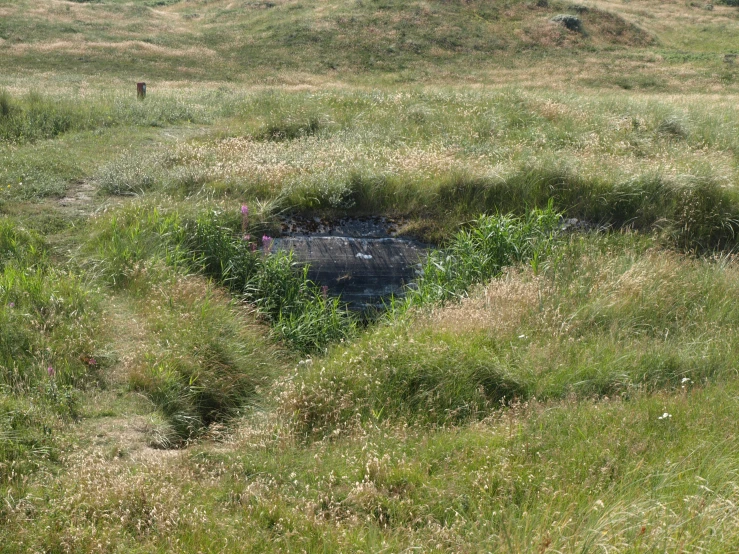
<point x="357" y="227"/>
<point x="79" y="197"/>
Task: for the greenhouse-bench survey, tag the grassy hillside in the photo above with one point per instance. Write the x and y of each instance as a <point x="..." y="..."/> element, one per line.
<point x="306" y="40"/>
<point x="563" y="375"/>
<point x="222" y="39"/>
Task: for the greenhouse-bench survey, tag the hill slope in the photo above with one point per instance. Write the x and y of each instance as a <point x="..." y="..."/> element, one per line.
<point x="222" y="39"/>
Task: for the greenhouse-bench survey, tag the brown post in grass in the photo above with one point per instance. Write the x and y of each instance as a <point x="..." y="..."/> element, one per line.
<point x="141" y="90"/>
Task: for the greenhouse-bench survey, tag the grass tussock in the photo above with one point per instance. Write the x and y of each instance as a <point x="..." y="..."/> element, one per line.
<point x="480" y="252"/>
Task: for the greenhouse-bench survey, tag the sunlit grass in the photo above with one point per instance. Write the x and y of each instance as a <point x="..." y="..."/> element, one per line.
<point x="170" y="384"/>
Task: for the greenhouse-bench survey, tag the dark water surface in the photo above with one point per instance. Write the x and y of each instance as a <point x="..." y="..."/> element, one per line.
<point x="356" y="259"/>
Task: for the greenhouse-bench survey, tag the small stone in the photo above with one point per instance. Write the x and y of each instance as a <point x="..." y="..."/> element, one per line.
<point x="571" y="22"/>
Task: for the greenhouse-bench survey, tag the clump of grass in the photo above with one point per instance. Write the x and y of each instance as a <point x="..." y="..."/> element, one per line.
<point x="18" y="244"/>
<point x="706" y="217"/>
<point x="696" y="213"/>
<point x="121" y="241"/>
<point x="129" y="174"/>
<point x="673" y="127"/>
<point x="6" y="104"/>
<point x="210" y="243"/>
<point x="28" y="426"/>
<point x="290" y="129"/>
<point x="418" y="377"/>
<point x="296" y="307"/>
<point x="480" y="252"/>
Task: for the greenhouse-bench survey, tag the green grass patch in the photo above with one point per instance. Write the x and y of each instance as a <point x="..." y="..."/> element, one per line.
<point x="213" y="243"/>
<point x="35" y="116"/>
<point x="601" y="317"/>
<point x="48" y="351"/>
<point x="205" y="372"/>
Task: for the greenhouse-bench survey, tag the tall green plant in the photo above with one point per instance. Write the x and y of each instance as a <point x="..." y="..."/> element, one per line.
<point x="479" y="253"/>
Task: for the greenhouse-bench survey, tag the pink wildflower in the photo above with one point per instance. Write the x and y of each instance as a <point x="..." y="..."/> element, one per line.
<point x="244" y="217"/>
<point x="266" y="243"/>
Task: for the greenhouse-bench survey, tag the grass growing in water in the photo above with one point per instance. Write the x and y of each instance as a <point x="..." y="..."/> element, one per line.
<point x="480" y="252"/>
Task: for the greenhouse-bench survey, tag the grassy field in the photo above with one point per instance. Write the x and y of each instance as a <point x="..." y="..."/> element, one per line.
<point x="550" y="385"/>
